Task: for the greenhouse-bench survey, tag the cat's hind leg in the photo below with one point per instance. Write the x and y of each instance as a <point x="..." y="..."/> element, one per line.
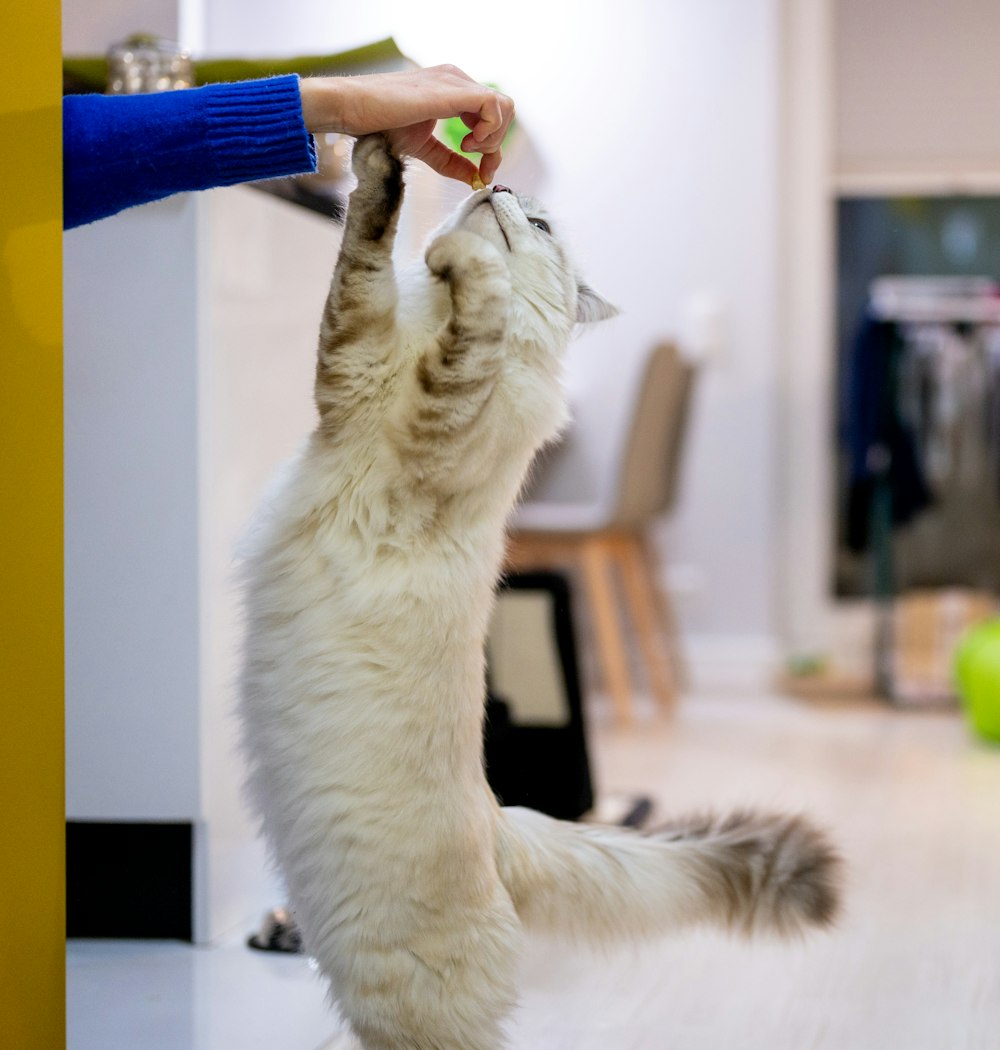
<point x="461" y="1005"/>
<point x="360" y="311"/>
<point x="450" y="985"/>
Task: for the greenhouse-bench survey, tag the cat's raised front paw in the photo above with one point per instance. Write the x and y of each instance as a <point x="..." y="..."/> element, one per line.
<point x="460" y="252"/>
<point x="373" y="155"/>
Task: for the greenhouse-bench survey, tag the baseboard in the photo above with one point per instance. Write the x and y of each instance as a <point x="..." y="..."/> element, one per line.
<point x="129" y="880"/>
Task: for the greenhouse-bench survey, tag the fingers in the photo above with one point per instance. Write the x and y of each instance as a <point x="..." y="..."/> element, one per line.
<point x="488" y="165"/>
<point x="488" y="145"/>
<point x="486" y="106"/>
<point x="489" y="128"/>
<point x="435" y="154"/>
<point x="490" y="160"/>
<point x="495" y="117"/>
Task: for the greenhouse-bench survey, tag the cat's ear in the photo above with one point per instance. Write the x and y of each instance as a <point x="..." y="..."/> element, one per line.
<point x="591" y="307"/>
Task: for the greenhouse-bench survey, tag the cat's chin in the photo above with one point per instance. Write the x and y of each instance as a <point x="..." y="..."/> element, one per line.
<point x="483" y="221"/>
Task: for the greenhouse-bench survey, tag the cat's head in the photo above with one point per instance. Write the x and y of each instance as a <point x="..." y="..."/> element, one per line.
<point x="527" y="238"/>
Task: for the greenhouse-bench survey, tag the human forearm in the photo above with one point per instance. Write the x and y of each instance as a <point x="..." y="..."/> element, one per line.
<point x="124" y="150"/>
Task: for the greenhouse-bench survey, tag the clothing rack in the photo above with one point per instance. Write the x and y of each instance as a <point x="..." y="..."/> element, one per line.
<point x="905" y="303"/>
<point x="935" y="300"/>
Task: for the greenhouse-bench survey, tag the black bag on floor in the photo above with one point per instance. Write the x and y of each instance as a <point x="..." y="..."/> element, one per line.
<point x="535" y="739"/>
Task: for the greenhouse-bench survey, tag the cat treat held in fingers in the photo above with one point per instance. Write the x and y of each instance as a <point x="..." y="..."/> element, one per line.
<point x="369" y="588"/>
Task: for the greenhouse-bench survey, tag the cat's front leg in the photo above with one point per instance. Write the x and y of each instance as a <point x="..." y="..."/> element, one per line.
<point x="469" y="350"/>
<point x="475" y="270"/>
<point x="360" y="312"/>
<point x="454" y="378"/>
<point x="375" y="201"/>
<point x="471" y="345"/>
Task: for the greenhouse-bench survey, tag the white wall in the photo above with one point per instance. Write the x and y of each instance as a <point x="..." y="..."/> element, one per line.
<point x="658" y="124"/>
<point x="917" y="84"/>
<point x="91" y="26"/>
<point x="805" y="503"/>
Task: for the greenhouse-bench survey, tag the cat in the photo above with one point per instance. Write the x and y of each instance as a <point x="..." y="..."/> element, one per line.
<point x="369" y="588"/>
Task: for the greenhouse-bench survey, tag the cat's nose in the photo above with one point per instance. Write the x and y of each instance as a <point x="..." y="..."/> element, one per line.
<point x="502" y="189"/>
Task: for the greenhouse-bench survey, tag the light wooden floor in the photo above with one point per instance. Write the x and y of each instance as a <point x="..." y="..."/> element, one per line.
<point x="911" y="798"/>
<point x="914" y="803"/>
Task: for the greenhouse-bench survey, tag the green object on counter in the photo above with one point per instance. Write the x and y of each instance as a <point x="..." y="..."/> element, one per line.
<point x="807" y="665"/>
<point x="91" y="71"/>
<point x="977" y="674"/>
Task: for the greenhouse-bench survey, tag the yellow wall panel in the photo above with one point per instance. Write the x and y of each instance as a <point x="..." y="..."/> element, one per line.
<point x="32" y="892"/>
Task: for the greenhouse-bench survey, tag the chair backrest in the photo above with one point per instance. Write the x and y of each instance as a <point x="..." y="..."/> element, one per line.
<point x="650" y="470"/>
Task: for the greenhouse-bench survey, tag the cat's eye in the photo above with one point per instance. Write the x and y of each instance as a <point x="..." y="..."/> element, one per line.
<point x="540" y="224"/>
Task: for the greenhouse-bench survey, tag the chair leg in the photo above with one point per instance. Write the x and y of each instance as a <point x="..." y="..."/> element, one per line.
<point x="596" y="558"/>
<point x="640" y="593"/>
<point x="527" y="552"/>
<point x="668" y="618"/>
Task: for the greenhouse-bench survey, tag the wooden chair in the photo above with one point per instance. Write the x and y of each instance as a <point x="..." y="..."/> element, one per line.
<point x="613" y="543"/>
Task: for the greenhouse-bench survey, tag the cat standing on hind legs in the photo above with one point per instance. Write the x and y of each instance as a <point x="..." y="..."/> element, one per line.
<point x="368" y="594"/>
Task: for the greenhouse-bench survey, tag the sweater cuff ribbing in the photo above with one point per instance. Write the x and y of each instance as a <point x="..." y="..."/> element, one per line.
<point x="254" y="130"/>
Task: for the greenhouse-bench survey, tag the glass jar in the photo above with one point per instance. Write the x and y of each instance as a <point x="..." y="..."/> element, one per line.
<point x="143" y="63"/>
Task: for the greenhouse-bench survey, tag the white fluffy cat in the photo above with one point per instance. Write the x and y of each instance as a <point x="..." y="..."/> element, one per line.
<point x="369" y="590"/>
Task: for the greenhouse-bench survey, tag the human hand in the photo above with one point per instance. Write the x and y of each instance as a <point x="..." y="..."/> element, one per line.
<point x="406" y="106"/>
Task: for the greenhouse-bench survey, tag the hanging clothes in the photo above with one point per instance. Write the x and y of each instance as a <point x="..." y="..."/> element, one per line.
<point x="957" y="542"/>
<point x="921" y="419"/>
<point x="880" y="443"/>
<point x="991" y="350"/>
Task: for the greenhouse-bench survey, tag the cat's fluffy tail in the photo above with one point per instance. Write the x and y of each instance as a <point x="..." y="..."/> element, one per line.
<point x="748" y="871"/>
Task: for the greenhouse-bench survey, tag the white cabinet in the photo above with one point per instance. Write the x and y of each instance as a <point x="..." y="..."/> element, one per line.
<point x="190" y="333"/>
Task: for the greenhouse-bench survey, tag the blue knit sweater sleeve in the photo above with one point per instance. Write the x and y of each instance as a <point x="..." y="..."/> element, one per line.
<point x="121" y="150"/>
